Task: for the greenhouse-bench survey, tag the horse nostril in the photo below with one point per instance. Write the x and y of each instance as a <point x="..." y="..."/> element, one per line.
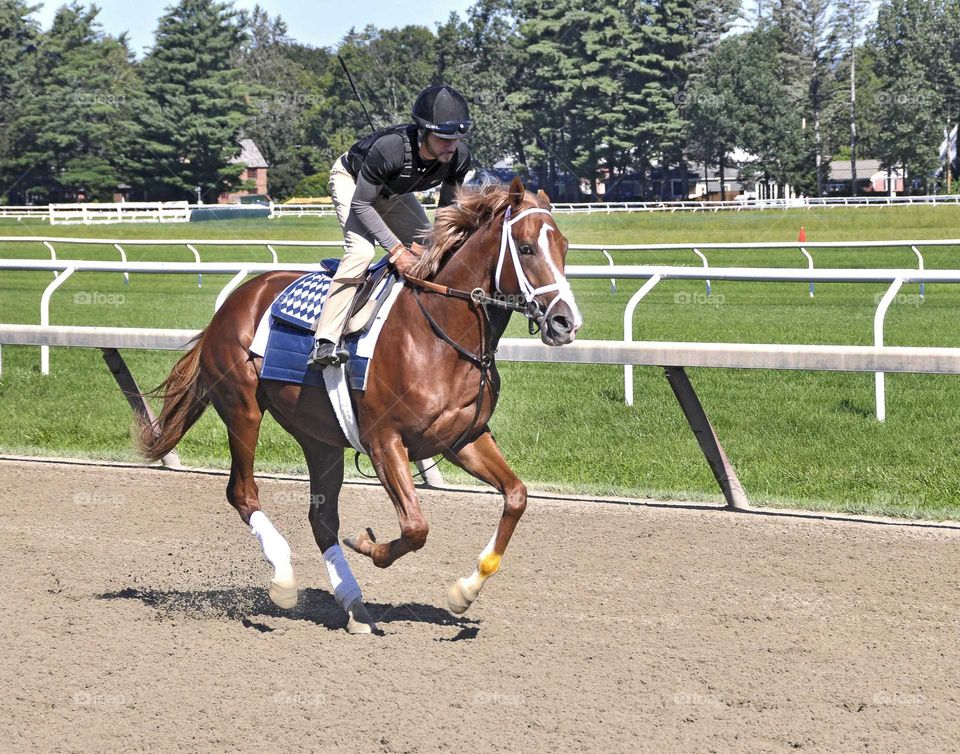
<point x="561" y="324"/>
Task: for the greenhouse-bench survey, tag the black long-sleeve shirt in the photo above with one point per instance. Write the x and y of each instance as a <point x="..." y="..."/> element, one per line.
<point x="388" y="168"/>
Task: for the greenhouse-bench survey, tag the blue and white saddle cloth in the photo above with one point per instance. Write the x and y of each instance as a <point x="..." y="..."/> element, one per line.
<point x="285" y="338"/>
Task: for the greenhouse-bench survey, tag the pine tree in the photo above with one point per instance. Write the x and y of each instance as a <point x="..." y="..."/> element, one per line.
<point x="908" y="109"/>
<point x="73" y="133"/>
<point x="479" y="56"/>
<point x="711" y="21"/>
<point x="543" y="95"/>
<point x="390" y="68"/>
<point x="673" y="29"/>
<point x="712" y="107"/>
<point x="198" y="101"/>
<point x="806" y="56"/>
<point x="770" y="128"/>
<point x="282" y="91"/>
<point x="849" y="21"/>
<point x="19" y="38"/>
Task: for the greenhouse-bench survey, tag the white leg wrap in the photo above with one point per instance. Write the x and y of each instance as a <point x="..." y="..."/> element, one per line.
<point x="345" y="586"/>
<point x="274" y="546"/>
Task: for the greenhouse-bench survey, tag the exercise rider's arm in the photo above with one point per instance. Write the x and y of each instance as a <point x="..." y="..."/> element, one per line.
<point x="448" y="189"/>
<point x="385" y="159"/>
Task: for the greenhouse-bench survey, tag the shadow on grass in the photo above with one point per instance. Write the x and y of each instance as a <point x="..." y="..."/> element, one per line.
<point x="314" y="606"/>
<point x="846" y="406"/>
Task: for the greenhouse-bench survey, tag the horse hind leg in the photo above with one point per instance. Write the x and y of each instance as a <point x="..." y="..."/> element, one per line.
<point x="242" y="415"/>
<point x="325" y="463"/>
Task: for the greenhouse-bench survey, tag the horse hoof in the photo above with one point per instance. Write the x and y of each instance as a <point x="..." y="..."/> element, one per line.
<point x="284" y="593"/>
<point x="359" y="620"/>
<point x="357" y="541"/>
<point x="457" y="600"/>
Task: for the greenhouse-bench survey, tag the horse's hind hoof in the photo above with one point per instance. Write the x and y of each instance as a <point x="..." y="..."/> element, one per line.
<point x="359" y="620"/>
<point x="283" y="593"/>
<point x="358" y="540"/>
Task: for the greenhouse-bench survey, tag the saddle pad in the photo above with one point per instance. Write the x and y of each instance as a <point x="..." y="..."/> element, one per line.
<point x="301" y="301"/>
<point x="285" y="349"/>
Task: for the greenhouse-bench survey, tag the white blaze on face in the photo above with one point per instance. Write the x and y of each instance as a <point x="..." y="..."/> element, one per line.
<point x="565" y="294"/>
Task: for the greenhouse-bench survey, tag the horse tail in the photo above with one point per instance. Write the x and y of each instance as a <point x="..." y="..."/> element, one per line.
<point x="185" y="398"/>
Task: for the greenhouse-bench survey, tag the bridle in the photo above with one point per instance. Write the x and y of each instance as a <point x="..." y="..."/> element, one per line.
<point x="532" y="308"/>
<point x="479" y="298"/>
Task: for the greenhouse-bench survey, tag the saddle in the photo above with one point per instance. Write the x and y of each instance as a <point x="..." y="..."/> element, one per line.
<point x="364" y="308"/>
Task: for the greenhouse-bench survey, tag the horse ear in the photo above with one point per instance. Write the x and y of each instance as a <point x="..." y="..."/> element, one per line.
<point x="516" y="192"/>
<point x="542" y="199"/>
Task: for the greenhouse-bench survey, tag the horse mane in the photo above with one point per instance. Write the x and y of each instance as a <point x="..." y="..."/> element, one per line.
<point x="455" y="223"/>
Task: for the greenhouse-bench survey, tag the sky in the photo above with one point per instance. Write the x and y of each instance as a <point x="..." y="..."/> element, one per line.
<point x="320" y="23"/>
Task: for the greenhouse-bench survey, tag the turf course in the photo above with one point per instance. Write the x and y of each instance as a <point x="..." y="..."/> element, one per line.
<point x="797" y="439"/>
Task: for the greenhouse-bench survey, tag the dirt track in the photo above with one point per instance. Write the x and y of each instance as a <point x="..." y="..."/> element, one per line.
<point x="135" y="617"/>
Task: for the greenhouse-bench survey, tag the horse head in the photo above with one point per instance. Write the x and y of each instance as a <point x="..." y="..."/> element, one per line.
<point x="530" y="266"/>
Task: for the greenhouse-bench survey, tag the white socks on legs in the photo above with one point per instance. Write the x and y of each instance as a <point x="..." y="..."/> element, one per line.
<point x="275" y="547"/>
<point x="345" y="586"/>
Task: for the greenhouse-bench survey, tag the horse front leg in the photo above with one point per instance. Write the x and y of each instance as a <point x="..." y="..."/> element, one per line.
<point x="392" y="464"/>
<point x="483" y="459"/>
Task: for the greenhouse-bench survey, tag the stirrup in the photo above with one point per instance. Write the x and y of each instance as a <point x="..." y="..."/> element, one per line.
<point x="327" y="354"/>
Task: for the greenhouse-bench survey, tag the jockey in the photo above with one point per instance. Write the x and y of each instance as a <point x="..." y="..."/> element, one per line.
<point x="372" y="187"/>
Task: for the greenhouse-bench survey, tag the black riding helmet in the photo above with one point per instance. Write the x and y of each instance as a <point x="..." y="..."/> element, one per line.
<point x="443" y="111"/>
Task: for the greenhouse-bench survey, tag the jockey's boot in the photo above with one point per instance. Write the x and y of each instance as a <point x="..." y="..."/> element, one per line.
<point x="326" y="354"/>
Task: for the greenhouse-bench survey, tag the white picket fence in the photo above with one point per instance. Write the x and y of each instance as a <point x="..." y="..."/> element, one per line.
<point x="121" y="212"/>
<point x="24" y="212"/>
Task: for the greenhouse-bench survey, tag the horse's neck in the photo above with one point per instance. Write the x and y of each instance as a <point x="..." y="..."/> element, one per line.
<point x="472" y="266"/>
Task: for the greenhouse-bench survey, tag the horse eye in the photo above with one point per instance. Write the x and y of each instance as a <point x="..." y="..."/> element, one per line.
<point x="526" y="248"/>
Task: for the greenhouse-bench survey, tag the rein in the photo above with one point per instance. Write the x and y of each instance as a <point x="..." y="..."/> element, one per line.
<point x="478" y="298"/>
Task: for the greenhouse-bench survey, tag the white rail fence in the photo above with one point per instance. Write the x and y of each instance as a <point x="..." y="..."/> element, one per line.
<point x="95" y="213"/>
<point x="652" y="275"/>
<point x="735" y="205"/>
<point x="671" y="356"/>
<point x="24" y="212"/>
<point x="122" y="212"/>
<point x="699" y="250"/>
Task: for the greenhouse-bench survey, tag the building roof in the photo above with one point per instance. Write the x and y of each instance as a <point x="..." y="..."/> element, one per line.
<point x="250" y="155"/>
<point x="840" y="169"/>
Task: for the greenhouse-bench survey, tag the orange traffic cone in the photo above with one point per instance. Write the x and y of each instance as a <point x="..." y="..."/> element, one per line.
<point x="803" y="234"/>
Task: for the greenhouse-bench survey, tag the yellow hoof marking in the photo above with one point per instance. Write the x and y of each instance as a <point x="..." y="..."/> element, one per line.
<point x="489" y="564"/>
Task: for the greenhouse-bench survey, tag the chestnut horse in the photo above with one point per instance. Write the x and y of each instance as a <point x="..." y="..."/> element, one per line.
<point x="431" y="388"/>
